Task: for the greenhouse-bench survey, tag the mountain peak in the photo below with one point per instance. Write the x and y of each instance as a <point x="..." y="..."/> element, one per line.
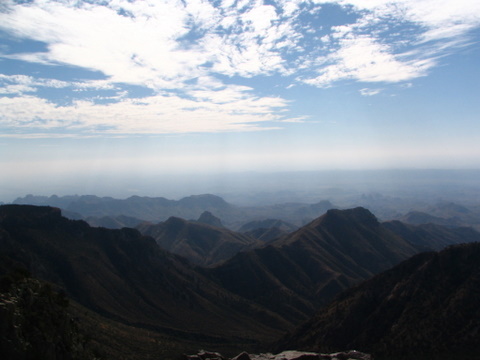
<point x="358" y="214"/>
<point x="204" y="200"/>
<point x="208" y="218"/>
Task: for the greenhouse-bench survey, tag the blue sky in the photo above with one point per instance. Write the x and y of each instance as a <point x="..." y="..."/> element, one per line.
<point x="102" y="89"/>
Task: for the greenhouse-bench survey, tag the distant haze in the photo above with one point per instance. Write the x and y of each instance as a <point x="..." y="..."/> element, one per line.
<point x="256" y="188"/>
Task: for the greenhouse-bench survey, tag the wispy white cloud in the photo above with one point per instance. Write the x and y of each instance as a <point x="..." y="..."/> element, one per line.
<point x="184" y="51"/>
<point x="229" y="109"/>
<point x="142" y="49"/>
<point x="298" y="120"/>
<point x="163" y="43"/>
<point x="388" y="42"/>
<point x="160" y="44"/>
<point x="361" y="58"/>
<point x="26" y="84"/>
<point x="370" y="92"/>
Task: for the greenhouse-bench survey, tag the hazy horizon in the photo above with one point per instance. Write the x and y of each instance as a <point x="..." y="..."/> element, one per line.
<point x="256" y="188"/>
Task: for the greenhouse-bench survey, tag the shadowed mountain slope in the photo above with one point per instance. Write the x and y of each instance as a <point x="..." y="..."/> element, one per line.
<point x="306" y="268"/>
<point x="126" y="276"/>
<point x="268" y="224"/>
<point x="266" y="235"/>
<point x="200" y="243"/>
<point x="424" y="308"/>
<point x="112" y="222"/>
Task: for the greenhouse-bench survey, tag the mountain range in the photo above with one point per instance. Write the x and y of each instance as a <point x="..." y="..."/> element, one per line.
<point x="145" y="208"/>
<point x="117" y="213"/>
<point x="126" y="283"/>
<point x="110" y="212"/>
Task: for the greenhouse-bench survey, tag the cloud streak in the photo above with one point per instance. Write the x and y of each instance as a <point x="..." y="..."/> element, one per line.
<point x="230" y="109"/>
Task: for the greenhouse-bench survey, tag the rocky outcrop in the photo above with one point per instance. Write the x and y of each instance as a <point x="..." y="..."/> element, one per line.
<point x="285" y="355"/>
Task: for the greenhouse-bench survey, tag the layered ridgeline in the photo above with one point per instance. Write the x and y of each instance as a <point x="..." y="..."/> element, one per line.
<point x="144" y="208"/>
<point x="425" y="308"/>
<point x="207" y="242"/>
<point x="430" y="236"/>
<point x="199" y="242"/>
<point x="116" y="213"/>
<point x="122" y="283"/>
<point x="268" y="229"/>
<point x="445" y="213"/>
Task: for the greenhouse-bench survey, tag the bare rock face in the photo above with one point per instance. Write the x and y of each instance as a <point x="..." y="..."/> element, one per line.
<point x="285" y="355"/>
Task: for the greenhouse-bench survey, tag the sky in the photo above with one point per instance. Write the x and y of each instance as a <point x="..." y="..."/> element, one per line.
<point x="113" y="93"/>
